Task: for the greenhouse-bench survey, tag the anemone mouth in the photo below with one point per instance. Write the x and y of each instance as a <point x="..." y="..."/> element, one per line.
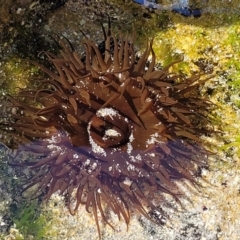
<point x="110" y="128"/>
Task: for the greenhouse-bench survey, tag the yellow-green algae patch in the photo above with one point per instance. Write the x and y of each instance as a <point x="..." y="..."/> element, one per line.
<point x="16" y="74"/>
<point x="217" y="43"/>
<point x="29" y="223"/>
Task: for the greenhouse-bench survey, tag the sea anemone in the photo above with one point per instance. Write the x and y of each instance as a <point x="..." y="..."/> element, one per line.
<point x="109" y="128"/>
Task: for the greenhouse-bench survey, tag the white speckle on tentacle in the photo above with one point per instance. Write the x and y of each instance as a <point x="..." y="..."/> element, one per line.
<point x="154" y="138"/>
<point x="75" y="155"/>
<point x="127" y="182"/>
<point x="94" y="166"/>
<point x="53" y="139"/>
<point x="54" y="147"/>
<point x="137" y="158"/>
<point x="95" y="147"/>
<point x="87" y="162"/>
<point x="152" y="154"/>
<point x="129" y="145"/>
<point x="111" y="133"/>
<point x="103" y="112"/>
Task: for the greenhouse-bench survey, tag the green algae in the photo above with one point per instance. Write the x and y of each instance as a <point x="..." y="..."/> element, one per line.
<point x="16" y="75"/>
<point x="24" y="214"/>
<point x="30" y="222"/>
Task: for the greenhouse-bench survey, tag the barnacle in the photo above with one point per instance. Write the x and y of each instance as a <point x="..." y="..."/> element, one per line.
<point x="109" y="128"/>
